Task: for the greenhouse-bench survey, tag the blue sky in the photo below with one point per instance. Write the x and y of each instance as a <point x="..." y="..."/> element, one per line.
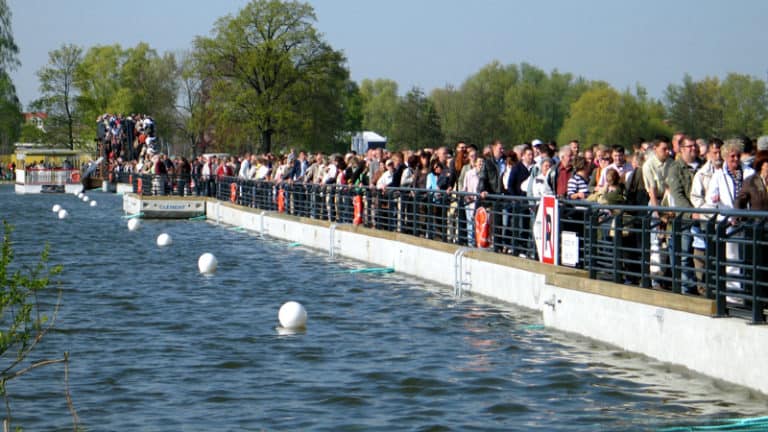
<point x="431" y="43"/>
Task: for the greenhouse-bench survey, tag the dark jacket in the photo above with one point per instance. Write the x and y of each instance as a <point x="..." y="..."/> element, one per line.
<point x="752" y="194"/>
<point x="489" y="178"/>
<point x="517" y="176"/>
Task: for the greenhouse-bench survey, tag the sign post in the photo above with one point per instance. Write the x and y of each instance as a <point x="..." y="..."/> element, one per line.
<point x="546" y="230"/>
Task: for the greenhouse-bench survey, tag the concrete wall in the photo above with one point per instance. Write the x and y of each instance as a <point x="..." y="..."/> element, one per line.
<point x="669" y="327"/>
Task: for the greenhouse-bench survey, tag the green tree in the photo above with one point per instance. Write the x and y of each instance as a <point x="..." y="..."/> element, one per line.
<point x="145" y="86"/>
<point x="24" y="321"/>
<point x="10" y="108"/>
<point x="192" y="119"/>
<point x="484" y="104"/>
<point x="417" y="124"/>
<point x="449" y="106"/>
<point x="265" y="62"/>
<point x="602" y="115"/>
<point x="8" y="48"/>
<point x="58" y="91"/>
<point x="379" y="105"/>
<point x="10" y="114"/>
<point x="696" y="108"/>
<point x="97" y="80"/>
<point x="30" y="133"/>
<point x="745" y="105"/>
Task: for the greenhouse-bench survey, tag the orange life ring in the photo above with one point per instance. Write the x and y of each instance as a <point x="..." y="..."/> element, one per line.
<point x="357" y="204"/>
<point x="280" y="200"/>
<point x="233" y="192"/>
<point x="75" y="177"/>
<point x="482" y="229"/>
<point x="139" y="186"/>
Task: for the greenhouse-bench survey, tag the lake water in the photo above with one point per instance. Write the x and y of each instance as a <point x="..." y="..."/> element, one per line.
<point x="155" y="346"/>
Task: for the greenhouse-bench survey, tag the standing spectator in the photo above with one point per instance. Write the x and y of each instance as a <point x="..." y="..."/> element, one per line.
<point x="563" y="172"/>
<point x="655" y="173"/>
<point x="469" y="185"/>
<point x="725" y="186"/>
<point x="489" y="182"/>
<point x="680" y="181"/>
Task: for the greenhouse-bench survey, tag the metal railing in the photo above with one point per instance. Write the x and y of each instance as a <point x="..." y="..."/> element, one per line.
<point x="715" y="253"/>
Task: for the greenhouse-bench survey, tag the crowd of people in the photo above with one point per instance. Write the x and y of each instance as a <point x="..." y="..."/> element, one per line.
<point x="126" y="137"/>
<point x="681" y="172"/>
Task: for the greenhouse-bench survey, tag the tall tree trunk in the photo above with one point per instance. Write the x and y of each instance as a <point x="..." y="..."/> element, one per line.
<point x="266" y="141"/>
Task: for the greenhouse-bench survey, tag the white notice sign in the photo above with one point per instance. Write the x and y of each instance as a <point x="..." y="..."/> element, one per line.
<point x="569" y="248"/>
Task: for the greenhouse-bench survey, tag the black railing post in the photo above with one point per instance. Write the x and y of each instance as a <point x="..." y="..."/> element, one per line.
<point x="674" y="254"/>
<point x="720" y="263"/>
<point x="645" y="253"/>
<point x="590" y="248"/>
<point x="618" y="235"/>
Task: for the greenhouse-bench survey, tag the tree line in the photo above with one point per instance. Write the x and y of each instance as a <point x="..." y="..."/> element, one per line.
<point x="266" y="79"/>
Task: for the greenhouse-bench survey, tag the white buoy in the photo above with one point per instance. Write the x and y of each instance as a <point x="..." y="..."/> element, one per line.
<point x="292" y="315"/>
<point x="207" y="263"/>
<point x="56" y="208"/>
<point x="93" y="203"/>
<point x="85" y="198"/>
<point x="133" y="224"/>
<point x="63" y="214"/>
<point x="164" y="240"/>
<point x="80" y="195"/>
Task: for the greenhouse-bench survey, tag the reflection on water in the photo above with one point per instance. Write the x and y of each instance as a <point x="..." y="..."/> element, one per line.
<point x="157" y="346"/>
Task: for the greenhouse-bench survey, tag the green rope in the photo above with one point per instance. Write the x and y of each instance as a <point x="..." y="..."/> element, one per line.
<point x="369" y="270"/>
<point x="137" y="215"/>
<point x="745" y="424"/>
<point x="294" y="244"/>
<point x="196" y="218"/>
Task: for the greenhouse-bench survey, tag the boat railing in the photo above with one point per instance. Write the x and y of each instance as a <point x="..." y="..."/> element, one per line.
<point x="48" y="176"/>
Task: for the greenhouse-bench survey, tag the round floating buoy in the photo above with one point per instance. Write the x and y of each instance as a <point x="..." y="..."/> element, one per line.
<point x="233" y="192"/>
<point x="56" y="208"/>
<point x="93" y="203"/>
<point x="63" y="214"/>
<point x="292" y="315"/>
<point x="85" y="198"/>
<point x="80" y="195"/>
<point x="164" y="240"/>
<point x="207" y="263"/>
<point x="482" y="228"/>
<point x="133" y="224"/>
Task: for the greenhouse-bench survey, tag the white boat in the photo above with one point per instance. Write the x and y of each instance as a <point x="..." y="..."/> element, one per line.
<point x="45" y="170"/>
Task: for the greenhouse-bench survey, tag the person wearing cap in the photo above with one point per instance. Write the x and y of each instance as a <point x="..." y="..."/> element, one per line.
<point x="762" y="143"/>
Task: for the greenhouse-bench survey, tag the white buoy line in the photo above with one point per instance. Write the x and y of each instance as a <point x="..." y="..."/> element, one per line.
<point x="292" y="315"/>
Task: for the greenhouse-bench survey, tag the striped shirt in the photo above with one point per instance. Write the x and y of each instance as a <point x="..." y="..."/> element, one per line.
<point x="577" y="184"/>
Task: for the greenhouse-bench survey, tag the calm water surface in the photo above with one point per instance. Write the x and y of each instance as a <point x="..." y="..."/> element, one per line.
<point x="155" y="346"/>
